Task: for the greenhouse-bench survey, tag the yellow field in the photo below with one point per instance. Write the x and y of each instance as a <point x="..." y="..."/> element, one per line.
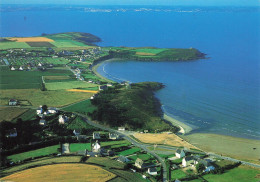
<point x="62" y="172"/>
<point x="56" y="77"/>
<point x="86" y="91"/>
<point x="163" y="138"/>
<point x="145" y="54"/>
<point x="32" y="39"/>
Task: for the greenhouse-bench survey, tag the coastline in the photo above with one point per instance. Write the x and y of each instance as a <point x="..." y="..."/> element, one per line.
<point x="94" y="69"/>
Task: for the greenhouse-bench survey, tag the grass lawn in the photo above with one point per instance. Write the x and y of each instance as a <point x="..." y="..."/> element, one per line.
<point x="74" y="147"/>
<point x="241" y="174"/>
<point x="34" y="153"/>
<point x="119" y="142"/>
<point x="68" y="85"/>
<point x="149" y="50"/>
<point x="68" y="173"/>
<point x="81" y="107"/>
<point x="144" y="157"/>
<point x="36" y="97"/>
<point x="9" y="113"/>
<point x="177" y="174"/>
<point x="129" y="151"/>
<point x="67" y="43"/>
<point x="56" y="61"/>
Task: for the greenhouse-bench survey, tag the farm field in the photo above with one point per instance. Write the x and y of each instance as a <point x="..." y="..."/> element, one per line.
<point x="31" y="39"/>
<point x="68" y="85"/>
<point x="26" y="79"/>
<point x="177" y="174"/>
<point x="163" y="138"/>
<point x="34" y="153"/>
<point x="85" y="91"/>
<point x="10" y="45"/>
<point x="37" y="97"/>
<point x="78" y="123"/>
<point x="68" y="173"/>
<point x="81" y="107"/>
<point x="129" y="151"/>
<point x="9" y="113"/>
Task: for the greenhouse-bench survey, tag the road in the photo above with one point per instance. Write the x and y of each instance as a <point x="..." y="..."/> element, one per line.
<point x="140" y="145"/>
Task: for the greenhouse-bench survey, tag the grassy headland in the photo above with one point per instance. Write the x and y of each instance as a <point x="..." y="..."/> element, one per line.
<point x="133" y="106"/>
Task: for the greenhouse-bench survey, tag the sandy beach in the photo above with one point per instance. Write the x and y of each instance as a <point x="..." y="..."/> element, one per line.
<point x="184" y="128"/>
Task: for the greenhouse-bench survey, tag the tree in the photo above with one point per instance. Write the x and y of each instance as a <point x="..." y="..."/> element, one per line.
<point x="45" y="108"/>
<point x="200" y="167"/>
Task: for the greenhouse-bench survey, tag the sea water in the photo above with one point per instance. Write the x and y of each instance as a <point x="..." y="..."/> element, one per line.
<point x="218" y="95"/>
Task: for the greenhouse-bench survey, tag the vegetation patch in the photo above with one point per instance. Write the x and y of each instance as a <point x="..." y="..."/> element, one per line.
<point x="75" y="147"/>
<point x="68" y="85"/>
<point x="81" y="107"/>
<point x="40" y="44"/>
<point x="129" y="151"/>
<point x="178" y="174"/>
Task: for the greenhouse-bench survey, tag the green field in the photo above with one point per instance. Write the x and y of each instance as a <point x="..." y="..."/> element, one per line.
<point x="74" y="147"/>
<point x="112" y="143"/>
<point x="26" y="79"/>
<point x="67" y="43"/>
<point x="129" y="151"/>
<point x="144" y="157"/>
<point x="34" y="153"/>
<point x="11" y="45"/>
<point x="10" y="113"/>
<point x="241" y="174"/>
<point x="36" y="97"/>
<point x="81" y="107"/>
<point x="68" y="85"/>
<point x="177" y="174"/>
<point x="149" y="50"/>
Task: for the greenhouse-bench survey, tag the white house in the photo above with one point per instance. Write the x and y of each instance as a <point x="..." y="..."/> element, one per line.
<point x="63" y="119"/>
<point x="121" y="128"/>
<point x="52" y="110"/>
<point x="180" y="153"/>
<point x="96" y="135"/>
<point x="12" y="102"/>
<point x="113" y="136"/>
<point x="186" y="161"/>
<point x="152" y="171"/>
<point x="96" y="147"/>
<point x="21" y="68"/>
<point x="12" y="68"/>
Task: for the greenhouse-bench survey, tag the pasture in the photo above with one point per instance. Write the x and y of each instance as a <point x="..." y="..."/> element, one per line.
<point x="40" y="44"/>
<point x="34" y="153"/>
<point x="11" y="45"/>
<point x="74" y="147"/>
<point x="81" y="107"/>
<point x="129" y="151"/>
<point x="82" y="172"/>
<point x="78" y="123"/>
<point x="151" y="51"/>
<point x="10" y="113"/>
<point x="37" y="97"/>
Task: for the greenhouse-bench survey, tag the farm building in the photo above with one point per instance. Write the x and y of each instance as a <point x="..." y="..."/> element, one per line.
<point x="12" y="68"/>
<point x="13" y="102"/>
<point x="186" y="161"/>
<point x="152" y="171"/>
<point x="11" y="133"/>
<point x="20" y="68"/>
<point x="76" y="132"/>
<point x="102" y="87"/>
<point x="180" y="153"/>
<point x="52" y="110"/>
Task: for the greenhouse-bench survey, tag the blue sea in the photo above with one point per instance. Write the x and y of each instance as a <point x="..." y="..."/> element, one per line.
<point x="220" y="94"/>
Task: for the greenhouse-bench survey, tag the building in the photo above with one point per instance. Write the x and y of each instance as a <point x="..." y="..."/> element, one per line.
<point x="186" y="161"/>
<point x="12" y="68"/>
<point x="21" y="68"/>
<point x="102" y="87"/>
<point x="96" y="136"/>
<point x="11" y="133"/>
<point x="76" y="132"/>
<point x="39" y="110"/>
<point x="113" y="136"/>
<point x="96" y="147"/>
<point x="121" y="128"/>
<point x="52" y="110"/>
<point x="208" y="165"/>
<point x="152" y="171"/>
<point x="42" y="122"/>
<point x="180" y="153"/>
<point x="139" y="163"/>
<point x="12" y="102"/>
<point x="123" y="159"/>
<point x="63" y="119"/>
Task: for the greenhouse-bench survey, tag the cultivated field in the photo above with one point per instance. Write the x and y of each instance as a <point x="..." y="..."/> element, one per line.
<point x="9" y="113"/>
<point x="31" y="39"/>
<point x="62" y="172"/>
<point x="85" y="91"/>
<point x="68" y="85"/>
<point x="163" y="138"/>
<point x="81" y="107"/>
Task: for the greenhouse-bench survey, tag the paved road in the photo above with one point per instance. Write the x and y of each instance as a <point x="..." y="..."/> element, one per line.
<point x="140" y="145"/>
